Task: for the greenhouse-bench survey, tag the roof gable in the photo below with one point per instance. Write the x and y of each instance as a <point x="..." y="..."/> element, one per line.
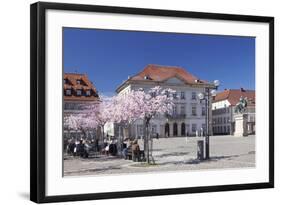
<point x="174" y="80"/>
<point x="75" y="82"/>
<point x="233" y="96"/>
<point x="160" y="73"/>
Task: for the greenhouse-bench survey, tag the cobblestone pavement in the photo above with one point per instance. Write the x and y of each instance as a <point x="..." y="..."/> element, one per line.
<point x="172" y="154"/>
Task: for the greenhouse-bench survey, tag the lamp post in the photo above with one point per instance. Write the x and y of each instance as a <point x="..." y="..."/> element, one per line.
<point x="206" y="97"/>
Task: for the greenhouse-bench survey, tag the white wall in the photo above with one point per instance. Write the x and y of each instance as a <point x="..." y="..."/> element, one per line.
<point x="220" y="104"/>
<point x="14" y="66"/>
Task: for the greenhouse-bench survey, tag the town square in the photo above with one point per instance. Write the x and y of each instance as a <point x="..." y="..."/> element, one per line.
<point x="227" y="152"/>
<point x="156" y="117"/>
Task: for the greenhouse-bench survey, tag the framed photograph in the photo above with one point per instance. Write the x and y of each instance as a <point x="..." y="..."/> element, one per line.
<point x="129" y="102"/>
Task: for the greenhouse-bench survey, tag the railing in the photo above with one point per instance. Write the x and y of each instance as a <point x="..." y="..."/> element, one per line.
<point x="176" y="116"/>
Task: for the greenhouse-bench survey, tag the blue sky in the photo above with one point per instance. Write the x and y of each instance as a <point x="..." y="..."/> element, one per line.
<point x="109" y="57"/>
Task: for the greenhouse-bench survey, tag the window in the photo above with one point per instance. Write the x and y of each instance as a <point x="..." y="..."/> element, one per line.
<point x="68" y="92"/>
<point x="193" y="110"/>
<point x="174" y="110"/>
<point x="203" y="111"/>
<point x="79" y="92"/>
<point x="78" y="82"/>
<point x="182" y="109"/>
<point x="175" y="96"/>
<point x="140" y="130"/>
<point x="193" y="95"/>
<point x="88" y="92"/>
<point x="204" y="127"/>
<point x="182" y="95"/>
<point x="252" y="119"/>
<point x="193" y="127"/>
<point x="69" y="106"/>
<point x="153" y="94"/>
<point x="153" y="129"/>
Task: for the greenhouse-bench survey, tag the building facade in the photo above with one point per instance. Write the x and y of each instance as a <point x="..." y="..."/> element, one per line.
<point x="188" y="115"/>
<point x="78" y="91"/>
<point x="223" y="108"/>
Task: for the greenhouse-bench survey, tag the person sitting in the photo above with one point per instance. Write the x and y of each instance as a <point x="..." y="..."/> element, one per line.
<point x="71" y="146"/>
<point x="81" y="149"/>
<point x="135" y="151"/>
<point x="113" y="148"/>
<point x="127" y="146"/>
<point x="106" y="149"/>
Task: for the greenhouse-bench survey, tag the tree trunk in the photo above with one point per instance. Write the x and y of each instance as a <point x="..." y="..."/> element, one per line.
<point x="147" y="143"/>
<point x="147" y="136"/>
<point x="102" y="132"/>
<point x="120" y="141"/>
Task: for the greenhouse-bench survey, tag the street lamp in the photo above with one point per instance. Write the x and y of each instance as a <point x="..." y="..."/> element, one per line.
<point x="206" y="97"/>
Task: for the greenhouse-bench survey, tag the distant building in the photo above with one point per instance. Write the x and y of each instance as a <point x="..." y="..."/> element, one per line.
<point x="223" y="107"/>
<point x="78" y="90"/>
<point x="188" y="116"/>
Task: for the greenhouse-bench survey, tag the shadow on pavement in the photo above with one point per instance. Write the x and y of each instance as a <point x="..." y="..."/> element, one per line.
<point x="197" y="161"/>
<point x="93" y="170"/>
<point x="171" y="154"/>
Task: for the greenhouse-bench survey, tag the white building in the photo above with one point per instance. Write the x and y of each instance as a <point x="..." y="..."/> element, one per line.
<point x="188" y="118"/>
<point x="223" y="107"/>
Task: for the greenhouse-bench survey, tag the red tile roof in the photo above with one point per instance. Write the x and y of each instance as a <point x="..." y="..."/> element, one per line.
<point x="233" y="96"/>
<point x="161" y="73"/>
<point x="85" y="84"/>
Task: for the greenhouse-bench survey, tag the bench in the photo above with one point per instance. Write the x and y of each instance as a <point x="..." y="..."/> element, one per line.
<point x="130" y="155"/>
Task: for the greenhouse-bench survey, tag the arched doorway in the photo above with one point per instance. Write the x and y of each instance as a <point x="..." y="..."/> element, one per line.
<point x="183" y="129"/>
<point x="175" y="129"/>
<point x="167" y="130"/>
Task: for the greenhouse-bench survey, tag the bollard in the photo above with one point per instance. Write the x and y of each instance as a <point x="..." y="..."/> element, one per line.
<point x="200" y="149"/>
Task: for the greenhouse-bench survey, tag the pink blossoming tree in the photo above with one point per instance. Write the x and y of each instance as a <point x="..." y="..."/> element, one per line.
<point x="126" y="109"/>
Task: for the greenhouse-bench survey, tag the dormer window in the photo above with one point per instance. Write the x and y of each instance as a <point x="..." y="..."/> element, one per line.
<point x="78" y="82"/>
<point x="79" y="92"/>
<point x="146" y="77"/>
<point x="88" y="92"/>
<point x="68" y="92"/>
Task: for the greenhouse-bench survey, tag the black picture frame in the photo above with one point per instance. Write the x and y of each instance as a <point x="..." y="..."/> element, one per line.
<point x="38" y="101"/>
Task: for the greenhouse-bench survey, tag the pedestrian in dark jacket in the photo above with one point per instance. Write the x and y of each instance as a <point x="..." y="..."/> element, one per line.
<point x="135" y="151"/>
